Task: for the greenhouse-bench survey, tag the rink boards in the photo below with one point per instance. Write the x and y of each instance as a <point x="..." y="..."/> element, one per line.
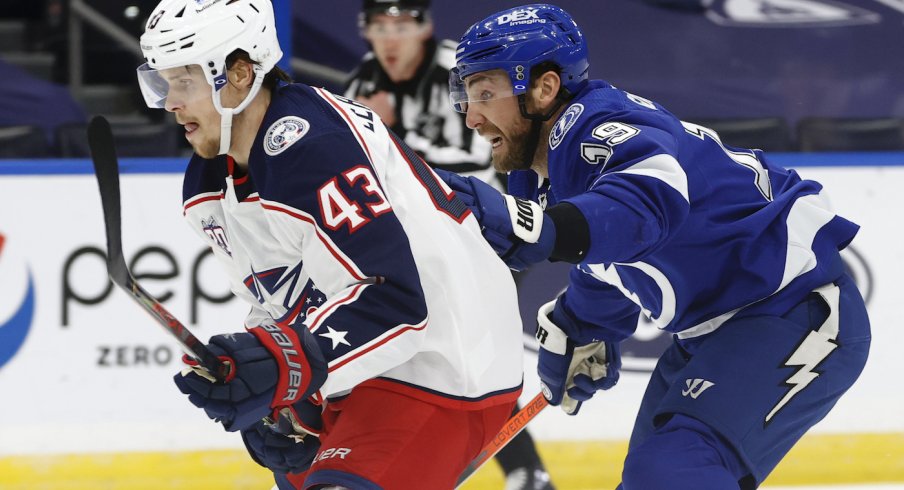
<point x="86" y="375"/>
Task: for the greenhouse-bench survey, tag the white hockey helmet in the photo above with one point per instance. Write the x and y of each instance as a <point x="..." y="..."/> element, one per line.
<point x="203" y="33"/>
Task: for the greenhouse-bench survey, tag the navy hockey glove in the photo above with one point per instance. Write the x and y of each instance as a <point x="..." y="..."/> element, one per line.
<point x="272" y="367"/>
<point x="291" y="444"/>
<point x="570" y="374"/>
<point x="517" y="229"/>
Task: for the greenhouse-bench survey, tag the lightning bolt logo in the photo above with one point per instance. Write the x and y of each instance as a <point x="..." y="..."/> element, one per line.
<point x="814" y="349"/>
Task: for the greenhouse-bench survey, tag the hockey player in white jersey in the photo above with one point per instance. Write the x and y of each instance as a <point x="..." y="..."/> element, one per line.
<point x="405" y="80"/>
<point x="380" y="318"/>
<point x="736" y="257"/>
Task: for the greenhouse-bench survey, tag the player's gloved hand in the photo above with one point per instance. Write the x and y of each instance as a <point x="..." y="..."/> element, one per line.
<point x="570" y="374"/>
<point x="517" y="229"/>
<point x="291" y="443"/>
<point x="272" y="367"/>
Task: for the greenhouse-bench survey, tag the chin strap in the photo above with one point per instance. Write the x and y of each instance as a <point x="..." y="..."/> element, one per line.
<point x="225" y="130"/>
<point x="537" y="121"/>
<point x="227" y="113"/>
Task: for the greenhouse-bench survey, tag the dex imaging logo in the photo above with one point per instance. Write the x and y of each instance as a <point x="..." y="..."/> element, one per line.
<point x="519" y="17"/>
<point x="17" y="301"/>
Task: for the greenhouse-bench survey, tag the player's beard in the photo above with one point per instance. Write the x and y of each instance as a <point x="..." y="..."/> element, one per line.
<point x="516" y="156"/>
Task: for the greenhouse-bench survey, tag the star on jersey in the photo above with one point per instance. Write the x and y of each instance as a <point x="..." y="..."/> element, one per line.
<point x="336" y="336"/>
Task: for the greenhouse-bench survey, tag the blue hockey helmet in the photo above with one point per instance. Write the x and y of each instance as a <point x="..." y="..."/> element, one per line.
<point x="520" y="38"/>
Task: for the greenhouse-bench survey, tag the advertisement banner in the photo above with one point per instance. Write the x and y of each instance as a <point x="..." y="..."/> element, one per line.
<point x="82" y="367"/>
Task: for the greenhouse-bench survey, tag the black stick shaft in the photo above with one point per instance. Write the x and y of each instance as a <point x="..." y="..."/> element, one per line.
<point x="106" y="167"/>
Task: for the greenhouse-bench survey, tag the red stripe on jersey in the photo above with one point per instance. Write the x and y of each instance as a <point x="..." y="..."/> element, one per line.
<point x="324" y="94"/>
<point x="369" y="347"/>
<point x="323" y="239"/>
<point x="230" y="168"/>
<point x="268" y="273"/>
<point x="198" y="200"/>
<point x="323" y="312"/>
<point x="290" y="317"/>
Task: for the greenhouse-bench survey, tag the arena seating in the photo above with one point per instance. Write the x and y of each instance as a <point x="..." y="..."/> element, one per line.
<point x="847" y="134"/>
<point x="23" y="142"/>
<point x="135" y="138"/>
<point x="767" y="133"/>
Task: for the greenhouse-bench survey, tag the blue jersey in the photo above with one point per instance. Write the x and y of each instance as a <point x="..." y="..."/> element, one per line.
<point x="684" y="228"/>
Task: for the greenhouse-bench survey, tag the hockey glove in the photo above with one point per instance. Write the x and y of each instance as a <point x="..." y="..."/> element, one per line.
<point x="517" y="229"/>
<point x="282" y="451"/>
<point x="570" y="374"/>
<point x="272" y="367"/>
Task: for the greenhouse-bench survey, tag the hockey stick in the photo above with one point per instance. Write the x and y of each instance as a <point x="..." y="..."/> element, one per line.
<point x="106" y="167"/>
<point x="511" y="429"/>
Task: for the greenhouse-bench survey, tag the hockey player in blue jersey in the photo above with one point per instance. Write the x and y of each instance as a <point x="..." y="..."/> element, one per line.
<point x="384" y="337"/>
<point x="736" y="257"/>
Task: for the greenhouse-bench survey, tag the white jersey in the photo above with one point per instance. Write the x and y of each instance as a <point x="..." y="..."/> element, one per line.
<point x="340" y="228"/>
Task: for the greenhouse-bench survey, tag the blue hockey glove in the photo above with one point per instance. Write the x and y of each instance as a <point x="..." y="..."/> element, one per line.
<point x="517" y="229"/>
<point x="272" y="367"/>
<point x="570" y="374"/>
<point x="289" y="445"/>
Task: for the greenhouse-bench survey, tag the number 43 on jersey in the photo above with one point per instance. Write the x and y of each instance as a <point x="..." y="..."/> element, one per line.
<point x="337" y="210"/>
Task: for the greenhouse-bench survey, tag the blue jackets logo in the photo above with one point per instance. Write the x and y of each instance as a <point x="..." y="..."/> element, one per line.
<point x="283" y="133"/>
<point x="17" y="303"/>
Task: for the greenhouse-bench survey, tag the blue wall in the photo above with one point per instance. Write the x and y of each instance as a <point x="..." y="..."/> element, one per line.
<point x="830" y="58"/>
